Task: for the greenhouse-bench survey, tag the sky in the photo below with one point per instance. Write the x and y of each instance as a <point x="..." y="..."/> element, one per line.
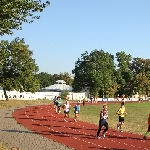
<point x="68" y="28"/>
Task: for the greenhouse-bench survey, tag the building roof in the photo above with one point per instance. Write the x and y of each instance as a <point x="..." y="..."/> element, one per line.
<point x="58" y="86"/>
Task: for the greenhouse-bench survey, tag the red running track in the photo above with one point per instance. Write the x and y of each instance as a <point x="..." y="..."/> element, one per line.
<point x="79" y="135"/>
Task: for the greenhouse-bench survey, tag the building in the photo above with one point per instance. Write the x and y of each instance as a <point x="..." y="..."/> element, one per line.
<point x="45" y="93"/>
<point x="57" y="87"/>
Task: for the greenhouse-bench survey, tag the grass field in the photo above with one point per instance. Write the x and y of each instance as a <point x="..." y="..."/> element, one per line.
<point x="135" y="121"/>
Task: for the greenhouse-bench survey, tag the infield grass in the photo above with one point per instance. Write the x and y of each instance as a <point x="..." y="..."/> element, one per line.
<point x="135" y="121"/>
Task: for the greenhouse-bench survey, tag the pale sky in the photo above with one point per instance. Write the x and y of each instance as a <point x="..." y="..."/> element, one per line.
<point x="68" y="28"/>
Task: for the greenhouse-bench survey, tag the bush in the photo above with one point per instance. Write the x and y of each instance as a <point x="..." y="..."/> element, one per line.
<point x="64" y="93"/>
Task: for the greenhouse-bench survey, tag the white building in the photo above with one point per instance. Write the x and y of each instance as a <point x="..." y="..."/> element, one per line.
<point x="57" y="87"/>
<point x="45" y="93"/>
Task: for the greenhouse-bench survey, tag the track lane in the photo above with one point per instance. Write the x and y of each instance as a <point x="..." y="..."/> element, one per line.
<point x="79" y="135"/>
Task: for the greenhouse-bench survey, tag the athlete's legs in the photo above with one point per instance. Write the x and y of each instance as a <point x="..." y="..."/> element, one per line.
<point x="65" y="116"/>
<point x="121" y="123"/>
<point x="54" y="104"/>
<point x="106" y="127"/>
<point x="100" y="127"/>
<point x="76" y="116"/>
<point x="146" y="133"/>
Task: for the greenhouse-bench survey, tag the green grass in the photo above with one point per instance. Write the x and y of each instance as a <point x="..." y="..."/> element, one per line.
<point x="11" y="103"/>
<point x="135" y="121"/>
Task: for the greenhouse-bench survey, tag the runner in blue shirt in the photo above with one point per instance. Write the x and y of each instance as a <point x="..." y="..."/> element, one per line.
<point x="76" y="111"/>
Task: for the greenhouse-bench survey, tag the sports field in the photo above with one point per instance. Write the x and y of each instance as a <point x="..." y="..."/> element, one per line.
<point x="135" y="121"/>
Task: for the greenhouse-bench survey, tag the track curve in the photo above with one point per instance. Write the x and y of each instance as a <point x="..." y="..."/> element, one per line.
<point x="79" y="135"/>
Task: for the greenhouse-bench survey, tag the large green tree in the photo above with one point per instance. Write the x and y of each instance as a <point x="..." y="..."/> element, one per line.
<point x="14" y="12"/>
<point x="123" y="73"/>
<point x="141" y="79"/>
<point x="18" y="69"/>
<point x="81" y="71"/>
<point x="101" y="72"/>
<point x="45" y="79"/>
<point x="95" y="71"/>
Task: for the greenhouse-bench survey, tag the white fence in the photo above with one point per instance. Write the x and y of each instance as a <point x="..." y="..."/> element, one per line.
<point x="50" y="95"/>
<point x="39" y="95"/>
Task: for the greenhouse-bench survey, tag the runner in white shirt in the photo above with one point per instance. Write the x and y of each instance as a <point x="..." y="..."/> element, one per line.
<point x="66" y="110"/>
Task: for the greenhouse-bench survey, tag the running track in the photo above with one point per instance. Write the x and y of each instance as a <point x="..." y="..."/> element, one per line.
<point x="79" y="135"/>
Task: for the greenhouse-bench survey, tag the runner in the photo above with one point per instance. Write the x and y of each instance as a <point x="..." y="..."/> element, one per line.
<point x="56" y="108"/>
<point x="67" y="98"/>
<point x="91" y="98"/>
<point x="76" y="111"/>
<point x="55" y="99"/>
<point x="123" y="98"/>
<point x="147" y="132"/>
<point x="66" y="107"/>
<point x="103" y="122"/>
<point x="121" y="112"/>
<point x="59" y="101"/>
<point x="117" y="98"/>
<point x="83" y="102"/>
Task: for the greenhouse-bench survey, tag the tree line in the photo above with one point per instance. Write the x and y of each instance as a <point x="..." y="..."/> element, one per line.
<point x="12" y="15"/>
<point x="102" y="73"/>
<point x="19" y="71"/>
<point x="106" y="75"/>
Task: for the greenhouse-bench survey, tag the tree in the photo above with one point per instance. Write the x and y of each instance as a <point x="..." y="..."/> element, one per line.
<point x="81" y="71"/>
<point x="141" y="79"/>
<point x="45" y="79"/>
<point x="66" y="77"/>
<point x="15" y="12"/>
<point x="95" y="71"/>
<point x="63" y="76"/>
<point x="123" y="73"/>
<point x="102" y="73"/>
<point x="64" y="93"/>
<point x="18" y="68"/>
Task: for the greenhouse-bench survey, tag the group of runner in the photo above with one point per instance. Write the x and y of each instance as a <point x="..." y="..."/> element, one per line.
<point x="58" y="105"/>
<point x="121" y="112"/>
<point x="104" y="116"/>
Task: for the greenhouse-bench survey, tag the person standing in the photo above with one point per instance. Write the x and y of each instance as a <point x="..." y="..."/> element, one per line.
<point x="148" y="130"/>
<point x="103" y="122"/>
<point x="121" y="112"/>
